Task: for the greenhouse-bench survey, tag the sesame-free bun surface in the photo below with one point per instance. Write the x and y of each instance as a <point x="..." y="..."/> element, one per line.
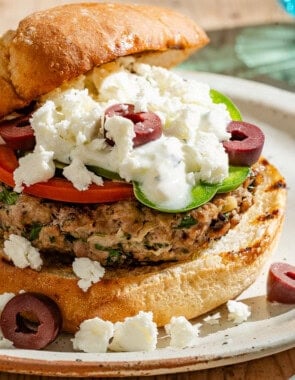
<point x="57" y="45"/>
<point x="218" y="273"/>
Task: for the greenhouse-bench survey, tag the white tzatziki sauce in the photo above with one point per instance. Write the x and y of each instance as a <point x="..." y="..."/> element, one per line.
<point x="70" y="127"/>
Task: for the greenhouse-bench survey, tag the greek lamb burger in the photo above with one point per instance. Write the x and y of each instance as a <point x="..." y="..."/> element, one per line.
<point x="125" y="188"/>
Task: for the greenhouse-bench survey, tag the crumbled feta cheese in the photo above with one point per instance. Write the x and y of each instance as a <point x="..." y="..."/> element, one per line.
<point x="137" y="333"/>
<point x="212" y="121"/>
<point x="93" y="336"/>
<point x="34" y="167"/>
<point x="121" y="131"/>
<point x="80" y="176"/>
<point x="190" y="149"/>
<point x="70" y="118"/>
<point x="182" y="332"/>
<point x="22" y="253"/>
<point x="4" y="298"/>
<point x="206" y="158"/>
<point x="88" y="271"/>
<point x="172" y="87"/>
<point x="126" y="87"/>
<point x="238" y="311"/>
<point x="212" y="319"/>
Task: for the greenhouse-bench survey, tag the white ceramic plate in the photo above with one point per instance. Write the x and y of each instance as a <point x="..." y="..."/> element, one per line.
<point x="270" y="329"/>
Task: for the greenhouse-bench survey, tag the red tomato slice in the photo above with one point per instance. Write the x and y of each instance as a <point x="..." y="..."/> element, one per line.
<point x="60" y="189"/>
<point x="8" y="163"/>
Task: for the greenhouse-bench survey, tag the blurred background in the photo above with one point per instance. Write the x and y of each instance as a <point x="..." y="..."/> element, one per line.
<point x="252" y="39"/>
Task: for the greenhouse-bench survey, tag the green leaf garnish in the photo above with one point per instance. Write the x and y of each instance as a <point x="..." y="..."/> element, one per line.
<point x="8" y="197"/>
<point x="104" y="173"/>
<point x="59" y="165"/>
<point x="217" y="98"/>
<point x="187" y="221"/>
<point x="95" y="169"/>
<point x="202" y="192"/>
<point x="237" y="175"/>
<point x="33" y="230"/>
<point x="116" y="256"/>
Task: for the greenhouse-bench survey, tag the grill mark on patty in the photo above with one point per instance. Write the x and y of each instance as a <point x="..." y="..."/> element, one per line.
<point x="126" y="232"/>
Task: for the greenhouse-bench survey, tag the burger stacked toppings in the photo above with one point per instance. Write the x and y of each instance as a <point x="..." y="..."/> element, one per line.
<point x="122" y="124"/>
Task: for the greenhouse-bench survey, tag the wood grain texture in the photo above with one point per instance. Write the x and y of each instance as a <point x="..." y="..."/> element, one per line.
<point x="211" y="14"/>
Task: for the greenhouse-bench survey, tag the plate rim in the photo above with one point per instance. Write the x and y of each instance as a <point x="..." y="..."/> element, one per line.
<point x="124" y="368"/>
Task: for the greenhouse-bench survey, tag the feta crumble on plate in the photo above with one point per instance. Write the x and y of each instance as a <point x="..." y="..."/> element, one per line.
<point x="213" y="319"/>
<point x="182" y="333"/>
<point x="138" y="333"/>
<point x="238" y="311"/>
<point x="93" y="336"/>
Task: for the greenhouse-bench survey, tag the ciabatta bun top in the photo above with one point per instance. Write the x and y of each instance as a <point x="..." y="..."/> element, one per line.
<point x="57" y="45"/>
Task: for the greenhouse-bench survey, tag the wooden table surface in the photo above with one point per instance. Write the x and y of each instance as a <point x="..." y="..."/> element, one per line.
<point x="212" y="15"/>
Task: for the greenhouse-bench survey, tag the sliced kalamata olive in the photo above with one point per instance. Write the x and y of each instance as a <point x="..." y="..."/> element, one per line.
<point x="281" y="283"/>
<point x="18" y="133"/>
<point x="246" y="143"/>
<point x="147" y="125"/>
<point x="31" y="320"/>
<point x="121" y="109"/>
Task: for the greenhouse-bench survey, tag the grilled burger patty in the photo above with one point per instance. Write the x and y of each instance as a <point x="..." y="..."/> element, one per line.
<point x="121" y="233"/>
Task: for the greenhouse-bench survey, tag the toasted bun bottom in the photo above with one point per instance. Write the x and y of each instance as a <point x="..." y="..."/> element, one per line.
<point x="219" y="273"/>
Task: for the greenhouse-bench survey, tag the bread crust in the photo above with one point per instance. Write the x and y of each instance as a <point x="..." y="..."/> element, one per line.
<point x="57" y="45"/>
<point x="218" y="273"/>
<point x="9" y="99"/>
